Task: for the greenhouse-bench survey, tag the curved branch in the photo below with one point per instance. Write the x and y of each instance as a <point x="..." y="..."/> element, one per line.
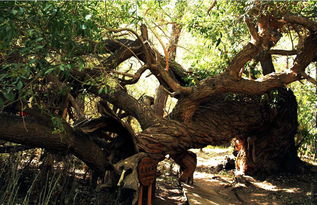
<point x="227" y="83"/>
<point x="135" y="77"/>
<point x="168" y="81"/>
<point x="246" y="54"/>
<point x="122" y="54"/>
<point x="39" y="134"/>
<point x="143" y="113"/>
<point x="120" y="98"/>
<point x="305" y="22"/>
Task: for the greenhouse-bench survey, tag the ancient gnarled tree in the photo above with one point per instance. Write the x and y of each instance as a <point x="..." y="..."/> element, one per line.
<point x="259" y="112"/>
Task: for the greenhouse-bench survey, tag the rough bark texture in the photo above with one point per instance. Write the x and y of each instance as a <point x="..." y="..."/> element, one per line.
<point x="38" y="133"/>
<point x="265" y="124"/>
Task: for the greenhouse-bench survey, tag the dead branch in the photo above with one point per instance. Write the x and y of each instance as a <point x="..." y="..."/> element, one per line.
<point x="126" y="29"/>
<point x="122" y="73"/>
<point x="123" y="53"/>
<point x="150" y="57"/>
<point x="164" y="49"/>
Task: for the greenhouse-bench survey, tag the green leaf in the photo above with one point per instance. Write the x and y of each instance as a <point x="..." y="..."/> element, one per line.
<point x="32" y="61"/>
<point x="14" y="12"/>
<point x="81" y="66"/>
<point x="102" y="90"/>
<point x="9" y="96"/>
<point x="83" y="26"/>
<point x="87" y="17"/>
<point x="19" y="85"/>
<point x="49" y="71"/>
<point x="62" y="67"/>
<point x="39" y="39"/>
<point x="39" y="47"/>
<point x="3" y="76"/>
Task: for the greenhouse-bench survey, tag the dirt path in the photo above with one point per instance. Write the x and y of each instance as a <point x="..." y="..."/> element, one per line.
<point x="221" y="188"/>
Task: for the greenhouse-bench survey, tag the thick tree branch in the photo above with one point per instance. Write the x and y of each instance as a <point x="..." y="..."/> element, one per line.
<point x="306" y="54"/>
<point x="39" y="133"/>
<point x="307" y="23"/>
<point x="119" y="97"/>
<point x="76" y="107"/>
<point x="122" y="54"/>
<point x="166" y="80"/>
<point x="246" y="54"/>
<point x="225" y="83"/>
<point x="266" y="63"/>
<point x="137" y="109"/>
<point x="255" y="38"/>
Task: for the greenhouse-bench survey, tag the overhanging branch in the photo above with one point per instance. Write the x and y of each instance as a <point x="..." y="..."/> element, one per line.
<point x="305" y="22"/>
<point x="39" y="133"/>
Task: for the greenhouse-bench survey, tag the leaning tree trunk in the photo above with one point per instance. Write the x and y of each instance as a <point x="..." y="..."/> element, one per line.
<point x="264" y="125"/>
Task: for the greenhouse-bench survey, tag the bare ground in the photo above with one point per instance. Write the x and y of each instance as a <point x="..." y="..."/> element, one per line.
<point x="214" y="186"/>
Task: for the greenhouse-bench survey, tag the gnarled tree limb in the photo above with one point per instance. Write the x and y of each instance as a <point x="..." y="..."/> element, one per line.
<point x="40" y="134"/>
<point x="305" y="22"/>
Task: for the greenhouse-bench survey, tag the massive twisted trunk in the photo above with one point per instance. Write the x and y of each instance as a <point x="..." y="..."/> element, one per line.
<point x="264" y="125"/>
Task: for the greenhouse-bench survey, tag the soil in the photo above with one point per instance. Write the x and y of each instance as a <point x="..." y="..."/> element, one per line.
<point x="214" y="185"/>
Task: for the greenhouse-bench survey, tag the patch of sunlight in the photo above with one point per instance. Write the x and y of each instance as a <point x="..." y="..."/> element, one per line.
<point x="203" y="175"/>
<point x="266" y="186"/>
<point x="196" y="202"/>
<point x="173" y="190"/>
<point x="216" y="149"/>
<point x="270" y="187"/>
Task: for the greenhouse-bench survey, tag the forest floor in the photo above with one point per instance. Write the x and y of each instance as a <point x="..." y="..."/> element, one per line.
<point x="213" y="185"/>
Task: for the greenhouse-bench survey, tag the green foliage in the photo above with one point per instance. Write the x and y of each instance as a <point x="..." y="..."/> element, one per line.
<point x="38" y="39"/>
<point x="307" y="131"/>
<point x="58" y="125"/>
<point x="217" y="36"/>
